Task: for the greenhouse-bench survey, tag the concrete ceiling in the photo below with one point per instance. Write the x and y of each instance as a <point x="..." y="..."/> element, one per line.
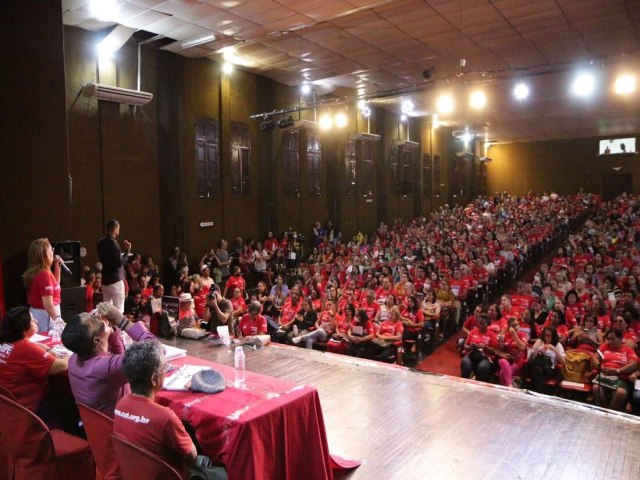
<point x="381" y="48"/>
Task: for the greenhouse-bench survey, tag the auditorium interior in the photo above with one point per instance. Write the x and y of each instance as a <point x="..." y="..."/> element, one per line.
<point x="190" y="121"/>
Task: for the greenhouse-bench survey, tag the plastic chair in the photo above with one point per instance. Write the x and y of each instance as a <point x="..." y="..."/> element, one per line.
<point x="98" y="428"/>
<point x="136" y="463"/>
<point x="38" y="453"/>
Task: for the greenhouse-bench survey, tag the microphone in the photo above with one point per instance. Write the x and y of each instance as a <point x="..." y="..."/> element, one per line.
<point x="62" y="265"/>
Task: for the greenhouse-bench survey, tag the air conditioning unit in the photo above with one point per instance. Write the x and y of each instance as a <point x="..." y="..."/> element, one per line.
<point x="116" y="94"/>
<point x="468" y="134"/>
<point x="367" y="137"/>
<point x="406" y="143"/>
<point x="485" y="159"/>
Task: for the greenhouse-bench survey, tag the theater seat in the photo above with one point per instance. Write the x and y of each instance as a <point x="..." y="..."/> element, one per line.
<point x="38" y="453"/>
<point x="138" y="464"/>
<point x="98" y="428"/>
<point x="6" y="465"/>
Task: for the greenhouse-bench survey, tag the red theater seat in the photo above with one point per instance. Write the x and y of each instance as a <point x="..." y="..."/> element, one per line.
<point x="98" y="428"/>
<point x="138" y="464"/>
<point x="38" y="453"/>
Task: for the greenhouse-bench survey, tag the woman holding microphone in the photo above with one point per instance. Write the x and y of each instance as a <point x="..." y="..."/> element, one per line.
<point x="42" y="281"/>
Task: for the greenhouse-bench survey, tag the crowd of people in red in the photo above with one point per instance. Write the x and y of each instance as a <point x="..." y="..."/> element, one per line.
<point x="582" y="308"/>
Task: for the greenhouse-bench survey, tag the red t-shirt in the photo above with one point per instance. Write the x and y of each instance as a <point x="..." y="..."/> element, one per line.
<point x="617" y="358"/>
<point x="371" y="309"/>
<point x="43" y="285"/>
<point x="488" y="338"/>
<point x="235" y="282"/>
<point x="23" y="371"/>
<point x="390" y="328"/>
<point x="248" y="326"/>
<point x="153" y="427"/>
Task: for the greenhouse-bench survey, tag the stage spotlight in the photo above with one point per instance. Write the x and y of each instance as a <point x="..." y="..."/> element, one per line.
<point x="445" y="104"/>
<point x="267" y="123"/>
<point x="625" y="84"/>
<point x="477" y="100"/>
<point x="583" y="85"/>
<point x="340" y="120"/>
<point x="521" y="91"/>
<point x="286" y="122"/>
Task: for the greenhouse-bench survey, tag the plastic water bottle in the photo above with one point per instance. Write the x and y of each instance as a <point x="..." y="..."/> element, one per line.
<point x="239" y="367"/>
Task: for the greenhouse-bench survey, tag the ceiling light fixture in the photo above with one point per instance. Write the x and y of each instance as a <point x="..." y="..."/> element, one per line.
<point x="104" y="10"/>
<point x="305" y="88"/>
<point x="406" y="106"/>
<point x="521" y="91"/>
<point x="325" y="121"/>
<point x="477" y="100"/>
<point x="341" y="120"/>
<point x="227" y="68"/>
<point x="198" y="41"/>
<point x="445" y="104"/>
<point x="625" y="84"/>
<point x="583" y="85"/>
<point x="403" y="117"/>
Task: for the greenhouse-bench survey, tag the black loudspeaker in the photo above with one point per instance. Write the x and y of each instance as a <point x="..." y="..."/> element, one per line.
<point x="69" y="251"/>
<point x="73" y="300"/>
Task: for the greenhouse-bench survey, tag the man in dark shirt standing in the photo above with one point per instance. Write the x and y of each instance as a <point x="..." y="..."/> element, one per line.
<point x="113" y="260"/>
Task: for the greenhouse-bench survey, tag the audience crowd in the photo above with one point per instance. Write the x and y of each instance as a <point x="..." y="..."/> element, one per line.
<point x="390" y="295"/>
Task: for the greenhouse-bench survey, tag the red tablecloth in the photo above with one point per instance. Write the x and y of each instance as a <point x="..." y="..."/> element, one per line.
<point x="273" y="429"/>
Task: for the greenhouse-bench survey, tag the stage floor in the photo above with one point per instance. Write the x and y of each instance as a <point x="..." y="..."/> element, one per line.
<point x="406" y="424"/>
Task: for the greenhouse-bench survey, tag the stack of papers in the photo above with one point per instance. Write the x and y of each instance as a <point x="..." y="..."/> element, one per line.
<point x="171" y="353"/>
<point x="181" y="378"/>
<point x="36" y="337"/>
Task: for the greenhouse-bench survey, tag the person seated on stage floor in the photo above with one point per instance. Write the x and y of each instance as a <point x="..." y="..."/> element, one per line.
<point x="611" y="386"/>
<point x="325" y="325"/>
<point x="511" y="353"/>
<point x="389" y="332"/>
<point x="135" y="306"/>
<point x="339" y="343"/>
<point x="156" y="429"/>
<point x="25" y="365"/>
<point x="360" y="334"/>
<point x="218" y="312"/>
<point x="252" y="323"/>
<point x="235" y="281"/>
<point x="545" y="355"/>
<point x="95" y="368"/>
<point x="479" y="348"/>
<point x="588" y="336"/>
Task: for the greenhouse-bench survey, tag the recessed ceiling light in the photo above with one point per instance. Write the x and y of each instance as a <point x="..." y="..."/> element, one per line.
<point x="406" y="106"/>
<point x="477" y="99"/>
<point x="583" y="85"/>
<point x="305" y="89"/>
<point x="341" y="120"/>
<point x="325" y="121"/>
<point x="403" y="118"/>
<point x="445" y="104"/>
<point x="625" y="84"/>
<point x="521" y="91"/>
<point x="227" y="67"/>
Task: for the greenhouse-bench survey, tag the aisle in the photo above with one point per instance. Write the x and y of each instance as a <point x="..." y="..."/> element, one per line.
<point x="446" y="359"/>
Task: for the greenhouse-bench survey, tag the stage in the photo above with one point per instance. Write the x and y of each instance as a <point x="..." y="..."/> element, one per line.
<point x="406" y="424"/>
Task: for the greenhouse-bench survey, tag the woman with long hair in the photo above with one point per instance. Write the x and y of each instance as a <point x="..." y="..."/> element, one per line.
<point x="43" y="284"/>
